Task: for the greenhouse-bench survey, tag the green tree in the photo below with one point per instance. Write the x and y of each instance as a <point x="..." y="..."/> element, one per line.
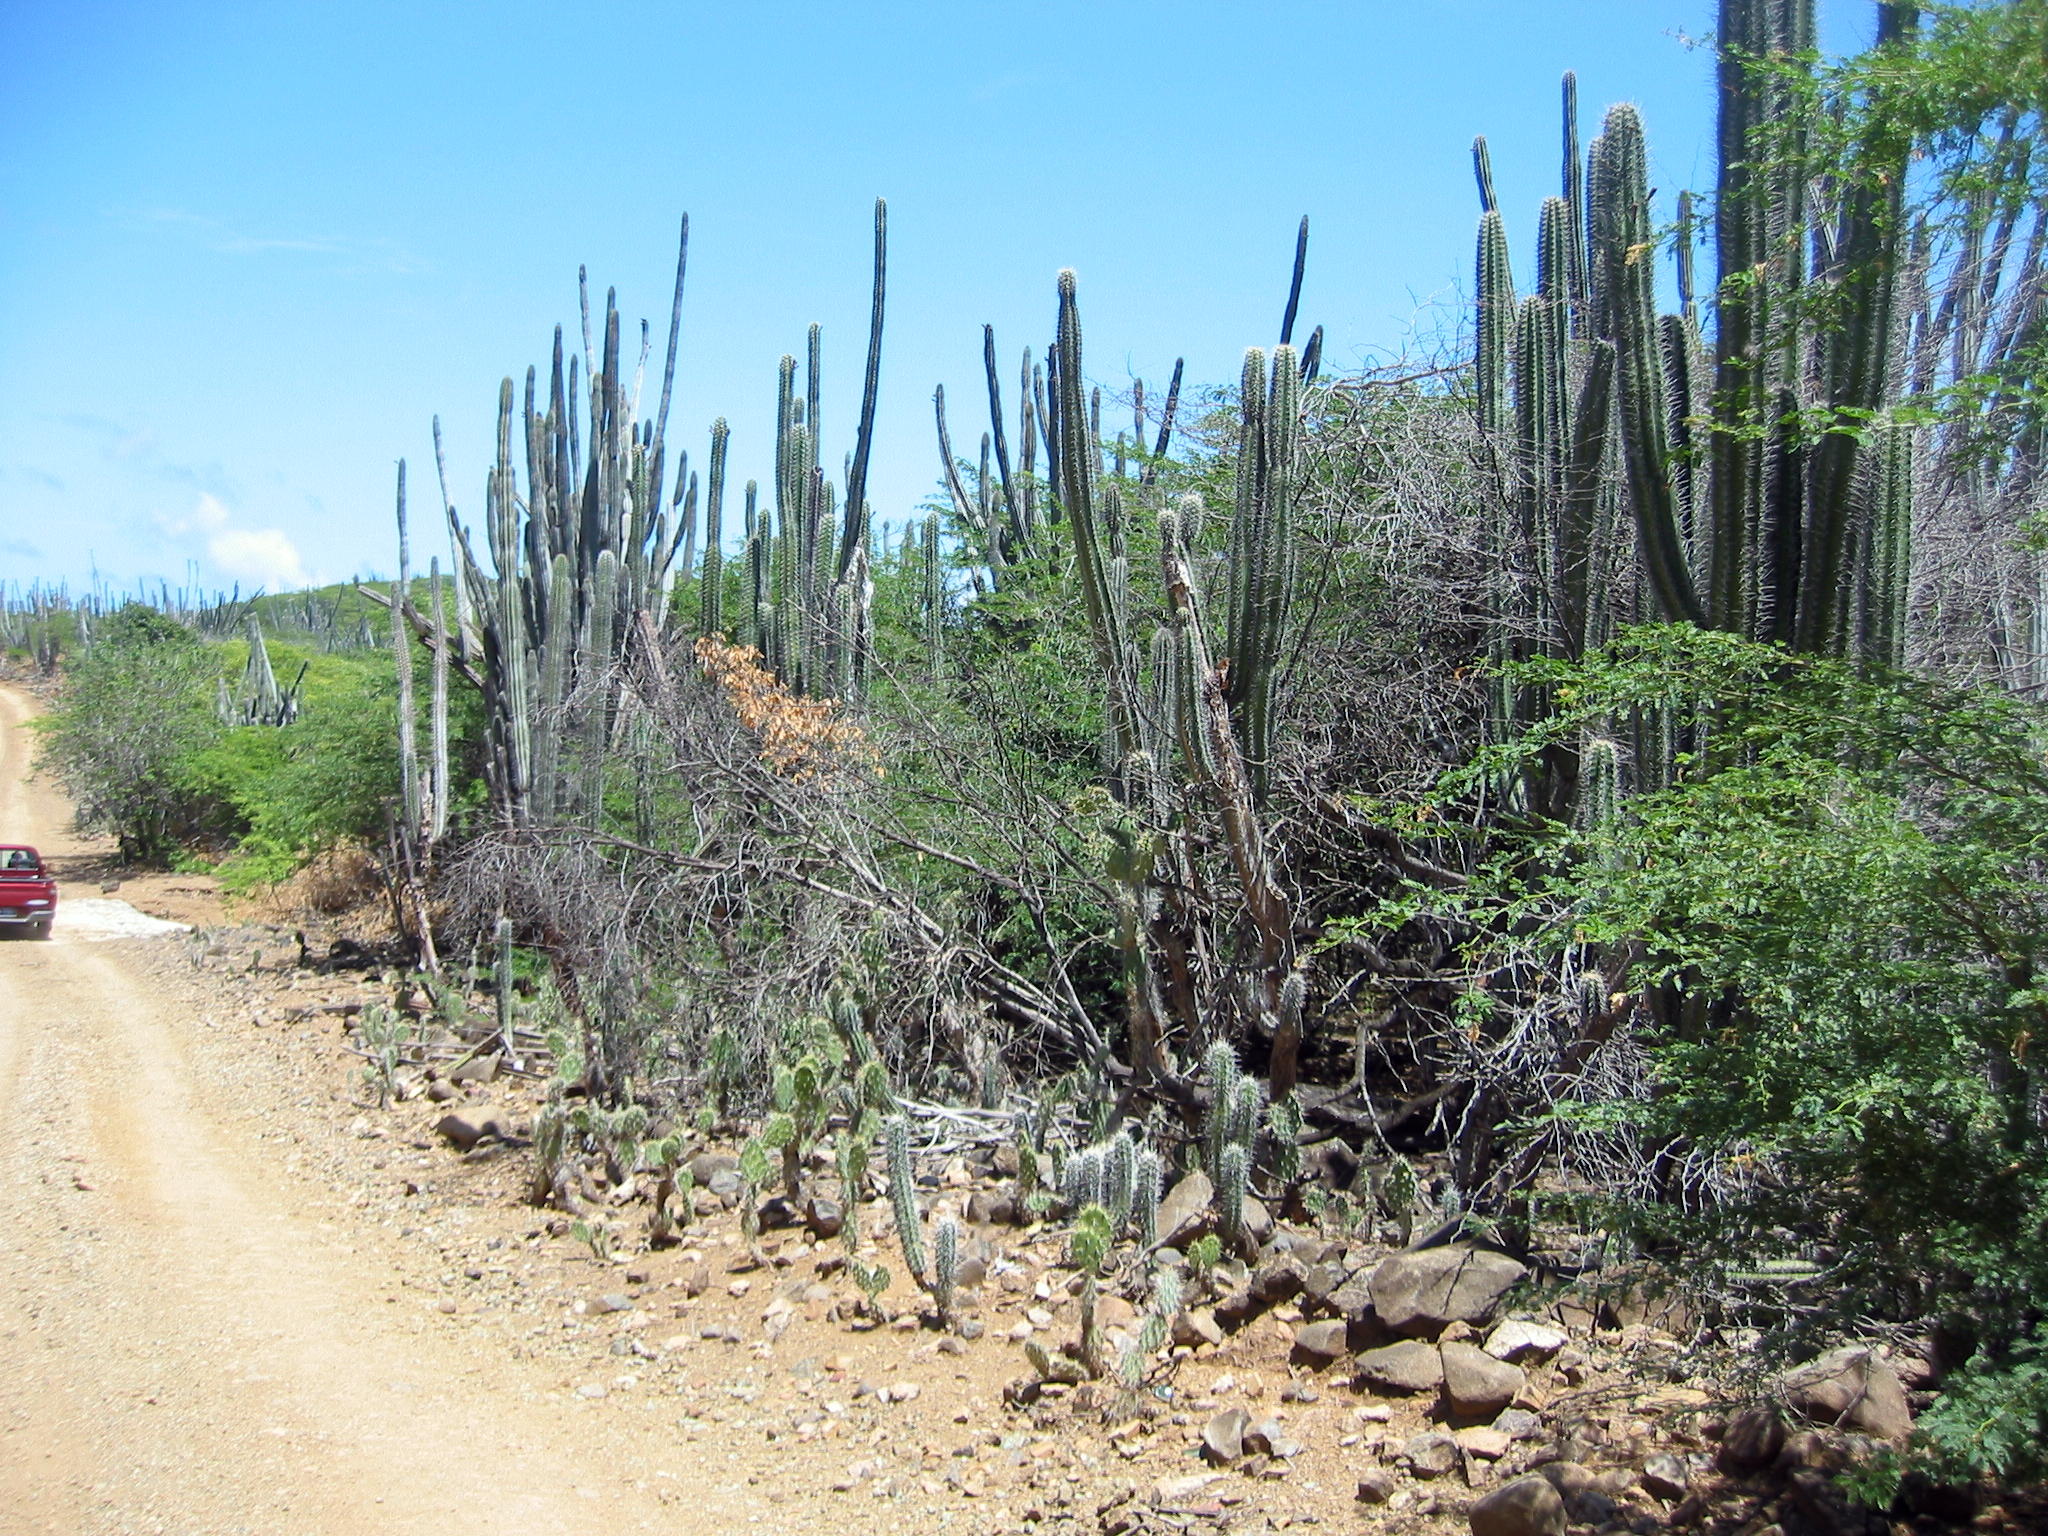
<point x="132" y="707"/>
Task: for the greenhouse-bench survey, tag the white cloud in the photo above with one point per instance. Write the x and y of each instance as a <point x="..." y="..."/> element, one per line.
<point x="263" y="557"/>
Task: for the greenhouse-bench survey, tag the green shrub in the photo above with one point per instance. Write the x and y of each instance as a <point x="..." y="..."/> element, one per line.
<point x="133" y="707"/>
<point x="1834" y="924"/>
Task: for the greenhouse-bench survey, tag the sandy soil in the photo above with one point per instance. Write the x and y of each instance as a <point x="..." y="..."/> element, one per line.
<point x="186" y="1345"/>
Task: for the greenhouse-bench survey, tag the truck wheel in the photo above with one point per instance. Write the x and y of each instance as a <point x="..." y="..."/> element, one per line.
<point x="39" y="930"/>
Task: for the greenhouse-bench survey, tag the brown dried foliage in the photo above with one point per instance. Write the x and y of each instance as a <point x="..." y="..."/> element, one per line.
<point x="801" y="738"/>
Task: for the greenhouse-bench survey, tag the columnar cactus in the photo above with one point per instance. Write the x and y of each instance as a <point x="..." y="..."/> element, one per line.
<point x="945" y="1265"/>
<point x="1600" y="761"/>
<point x="1783" y="524"/>
<point x="1149" y="1179"/>
<point x="1247" y="1112"/>
<point x="1399" y="1191"/>
<point x="584" y="547"/>
<point x="1262" y="551"/>
<point x="503" y="992"/>
<point x="1120" y="1178"/>
<point x="1233" y="1177"/>
<point x="934" y="596"/>
<point x="903" y="1196"/>
<point x="1221" y="1068"/>
<point x="711" y="582"/>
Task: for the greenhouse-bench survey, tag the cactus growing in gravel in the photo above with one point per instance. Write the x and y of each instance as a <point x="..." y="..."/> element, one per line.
<point x="1153" y="1332"/>
<point x="945" y="1265"/>
<point x="873" y="1279"/>
<point x="1221" y="1068"/>
<point x="851" y="1156"/>
<point x="1150" y="1175"/>
<point x="1399" y="1191"/>
<point x="1089" y="1243"/>
<point x="1085" y="1179"/>
<point x="1284" y="1122"/>
<point x="1233" y="1175"/>
<point x="1247" y="1112"/>
<point x="903" y="1197"/>
<point x="1120" y="1178"/>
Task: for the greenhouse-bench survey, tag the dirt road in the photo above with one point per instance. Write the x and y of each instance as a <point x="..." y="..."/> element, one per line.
<point x="185" y="1347"/>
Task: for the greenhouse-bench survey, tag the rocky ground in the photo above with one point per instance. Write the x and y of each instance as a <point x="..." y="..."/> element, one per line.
<point x="1331" y="1381"/>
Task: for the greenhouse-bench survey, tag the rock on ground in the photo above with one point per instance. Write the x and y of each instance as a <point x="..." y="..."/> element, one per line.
<point x="1223" y="1436"/>
<point x="1518" y="1339"/>
<point x="1410" y="1366"/>
<point x="1528" y="1506"/>
<point x="1852" y="1388"/>
<point x="1323" y="1343"/>
<point x="1184" y="1213"/>
<point x="1477" y="1386"/>
<point x="1420" y="1293"/>
<point x="1751" y="1440"/>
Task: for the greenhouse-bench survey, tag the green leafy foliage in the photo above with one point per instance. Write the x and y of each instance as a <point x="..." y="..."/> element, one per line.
<point x="133" y="709"/>
<point x="1840" y="913"/>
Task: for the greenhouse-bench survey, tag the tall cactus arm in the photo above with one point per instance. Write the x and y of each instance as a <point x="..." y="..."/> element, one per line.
<point x="711" y="588"/>
<point x="1496" y="322"/>
<point x="1294" y="283"/>
<point x="1622" y="218"/>
<point x="437" y="826"/>
<point x="1857" y="360"/>
<point x="463" y="624"/>
<point x="401" y="644"/>
<point x="1482" y="172"/>
<point x="1167" y="412"/>
<point x="814" y="386"/>
<point x="1001" y="442"/>
<point x="857" y="475"/>
<point x="963" y="504"/>
<point x="1074" y="461"/>
<point x="1574" y="184"/>
<point x="1578" y="528"/>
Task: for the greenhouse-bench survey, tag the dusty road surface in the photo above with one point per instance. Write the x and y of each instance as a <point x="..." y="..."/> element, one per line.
<point x="184" y="1347"/>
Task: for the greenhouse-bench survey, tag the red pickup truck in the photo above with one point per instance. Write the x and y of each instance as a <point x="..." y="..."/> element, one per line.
<point x="28" y="896"/>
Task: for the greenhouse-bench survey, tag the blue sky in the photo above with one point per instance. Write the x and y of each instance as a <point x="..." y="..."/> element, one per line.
<point x="247" y="252"/>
